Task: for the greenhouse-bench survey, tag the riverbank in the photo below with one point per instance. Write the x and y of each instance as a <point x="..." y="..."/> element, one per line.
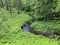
<point x="12" y="34"/>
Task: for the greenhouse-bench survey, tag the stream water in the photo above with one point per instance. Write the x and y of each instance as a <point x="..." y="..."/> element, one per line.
<point x="25" y="28"/>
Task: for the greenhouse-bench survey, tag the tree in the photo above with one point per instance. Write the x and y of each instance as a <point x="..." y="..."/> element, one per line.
<point x="6" y="3"/>
<point x="57" y="6"/>
<point x="39" y="8"/>
<point x="18" y="5"/>
<point x="44" y="8"/>
<point x="10" y="7"/>
<point x="2" y="3"/>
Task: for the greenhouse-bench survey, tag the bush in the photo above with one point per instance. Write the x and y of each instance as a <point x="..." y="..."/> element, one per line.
<point x="54" y="26"/>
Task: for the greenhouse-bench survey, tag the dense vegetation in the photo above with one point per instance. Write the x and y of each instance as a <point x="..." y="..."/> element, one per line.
<point x="15" y="13"/>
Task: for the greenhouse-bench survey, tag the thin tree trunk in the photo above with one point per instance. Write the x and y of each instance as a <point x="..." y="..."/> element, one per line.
<point x="6" y="3"/>
<point x="18" y="5"/>
<point x="10" y="7"/>
<point x="2" y="5"/>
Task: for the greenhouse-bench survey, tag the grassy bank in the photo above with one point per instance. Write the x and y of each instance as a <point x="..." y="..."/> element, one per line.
<point x="11" y="33"/>
<point x="53" y="26"/>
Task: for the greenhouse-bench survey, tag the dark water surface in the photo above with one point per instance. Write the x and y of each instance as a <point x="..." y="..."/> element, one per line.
<point x="25" y="28"/>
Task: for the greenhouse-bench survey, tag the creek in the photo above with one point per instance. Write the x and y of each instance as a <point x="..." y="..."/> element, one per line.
<point x="27" y="28"/>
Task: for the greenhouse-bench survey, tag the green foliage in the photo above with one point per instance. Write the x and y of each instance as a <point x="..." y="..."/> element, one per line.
<point x="54" y="26"/>
<point x="26" y="39"/>
<point x="11" y="33"/>
<point x="39" y="8"/>
<point x="10" y="25"/>
<point x="57" y="6"/>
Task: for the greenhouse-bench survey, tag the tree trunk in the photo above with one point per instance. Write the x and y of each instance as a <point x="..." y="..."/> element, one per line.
<point x="6" y="3"/>
<point x="18" y="5"/>
<point x="10" y="7"/>
<point x="50" y="17"/>
<point x="2" y="5"/>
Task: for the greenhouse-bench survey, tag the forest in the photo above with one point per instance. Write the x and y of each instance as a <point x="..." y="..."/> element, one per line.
<point x="29" y="22"/>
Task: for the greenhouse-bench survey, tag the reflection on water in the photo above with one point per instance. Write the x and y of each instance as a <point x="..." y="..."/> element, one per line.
<point x="25" y="28"/>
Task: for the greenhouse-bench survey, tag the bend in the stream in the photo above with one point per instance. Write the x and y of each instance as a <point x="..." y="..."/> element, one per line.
<point x="27" y="28"/>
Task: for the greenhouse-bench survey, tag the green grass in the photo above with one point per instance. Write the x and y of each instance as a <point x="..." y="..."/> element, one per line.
<point x="12" y="22"/>
<point x="54" y="26"/>
<point x="12" y="34"/>
<point x="27" y="39"/>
